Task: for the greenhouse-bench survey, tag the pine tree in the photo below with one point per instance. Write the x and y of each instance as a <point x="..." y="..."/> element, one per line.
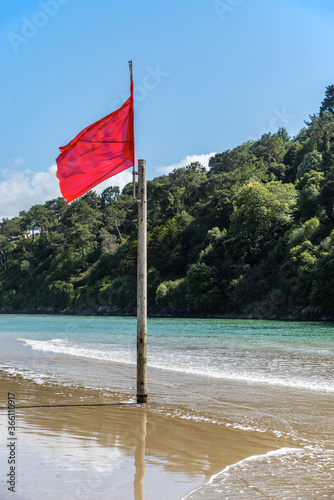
<point x="328" y="103"/>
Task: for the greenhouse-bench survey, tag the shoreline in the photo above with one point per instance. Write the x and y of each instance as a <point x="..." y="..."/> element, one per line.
<point x="257" y="313"/>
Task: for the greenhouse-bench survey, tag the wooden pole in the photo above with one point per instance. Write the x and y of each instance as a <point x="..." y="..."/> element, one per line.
<point x="142" y="286"/>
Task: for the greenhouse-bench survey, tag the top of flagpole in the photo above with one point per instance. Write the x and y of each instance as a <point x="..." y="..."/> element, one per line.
<point x="133" y="124"/>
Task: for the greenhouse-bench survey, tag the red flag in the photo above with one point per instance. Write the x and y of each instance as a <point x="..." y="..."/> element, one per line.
<point x="100" y="151"/>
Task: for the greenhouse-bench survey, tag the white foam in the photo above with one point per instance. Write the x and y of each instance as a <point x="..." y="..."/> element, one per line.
<point x="39" y="378"/>
<point x="254" y="458"/>
<point x="61" y="346"/>
<point x="276" y="474"/>
<point x="181" y="365"/>
<point x="224" y="474"/>
<point x="250" y="378"/>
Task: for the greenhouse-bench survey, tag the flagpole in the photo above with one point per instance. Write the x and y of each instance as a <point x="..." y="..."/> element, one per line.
<point x="142" y="286"/>
<point x="141" y="200"/>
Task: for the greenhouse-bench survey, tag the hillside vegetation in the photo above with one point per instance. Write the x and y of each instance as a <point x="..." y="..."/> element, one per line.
<point x="255" y="231"/>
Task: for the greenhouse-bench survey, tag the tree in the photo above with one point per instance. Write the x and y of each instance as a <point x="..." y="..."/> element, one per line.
<point x="57" y="208"/>
<point x="282" y="133"/>
<point x="259" y="216"/>
<point x="291" y="154"/>
<point x="311" y="161"/>
<point x="92" y="199"/>
<point x="109" y="196"/>
<point x="115" y="218"/>
<point x="11" y="228"/>
<point x="108" y="242"/>
<point x="230" y="159"/>
<point x="38" y="218"/>
<point x="164" y="200"/>
<point x="270" y="148"/>
<point x="323" y="283"/>
<point x="202" y="287"/>
<point x="327" y="104"/>
<point x="82" y="223"/>
<point x="161" y="243"/>
<point x="190" y="178"/>
<point x="3" y="249"/>
<point x="172" y="294"/>
<point x="308" y="201"/>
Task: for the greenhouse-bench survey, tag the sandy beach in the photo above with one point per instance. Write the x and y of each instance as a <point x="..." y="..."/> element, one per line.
<point x="236" y="410"/>
<point x="113" y="452"/>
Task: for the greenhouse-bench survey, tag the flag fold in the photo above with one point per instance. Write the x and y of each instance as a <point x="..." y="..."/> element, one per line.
<point x="98" y="152"/>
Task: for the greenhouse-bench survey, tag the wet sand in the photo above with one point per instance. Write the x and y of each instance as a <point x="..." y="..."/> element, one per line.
<point x="122" y="451"/>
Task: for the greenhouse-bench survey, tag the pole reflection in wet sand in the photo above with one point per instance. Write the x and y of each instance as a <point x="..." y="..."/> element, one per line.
<point x="140" y="429"/>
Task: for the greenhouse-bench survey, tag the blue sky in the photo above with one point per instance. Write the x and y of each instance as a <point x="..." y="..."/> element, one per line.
<point x="209" y="75"/>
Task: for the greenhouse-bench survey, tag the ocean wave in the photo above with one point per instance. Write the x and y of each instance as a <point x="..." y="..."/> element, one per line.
<point x="266" y="378"/>
<point x="180" y="365"/>
<point x="280" y="472"/>
<point x="66" y="347"/>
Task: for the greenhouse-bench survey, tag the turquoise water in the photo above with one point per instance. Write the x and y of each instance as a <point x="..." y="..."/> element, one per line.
<point x="258" y="376"/>
<point x="296" y="355"/>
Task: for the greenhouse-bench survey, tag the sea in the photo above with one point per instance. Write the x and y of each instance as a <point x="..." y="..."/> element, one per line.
<point x="257" y="376"/>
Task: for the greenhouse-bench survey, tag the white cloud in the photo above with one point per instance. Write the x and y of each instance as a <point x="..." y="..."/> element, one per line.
<point x="18" y="161"/>
<point x="21" y="190"/>
<point x="203" y="159"/>
<point x="119" y="180"/>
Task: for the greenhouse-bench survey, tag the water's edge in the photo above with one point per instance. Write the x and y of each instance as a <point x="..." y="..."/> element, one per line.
<point x="252" y="312"/>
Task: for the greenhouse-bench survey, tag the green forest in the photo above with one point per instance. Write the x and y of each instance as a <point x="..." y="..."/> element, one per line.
<point x="253" y="236"/>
